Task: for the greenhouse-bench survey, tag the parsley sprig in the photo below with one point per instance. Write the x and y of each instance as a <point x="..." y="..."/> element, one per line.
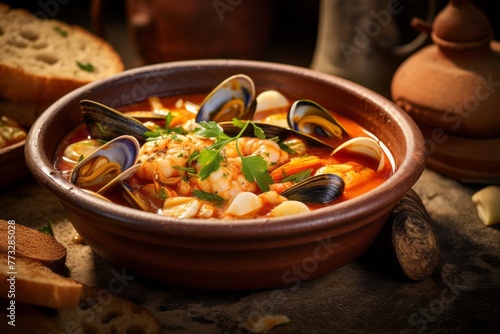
<point x="159" y="131"/>
<point x="47" y="229"/>
<point x="297" y="177"/>
<point x="254" y="168"/>
<point x="209" y="197"/>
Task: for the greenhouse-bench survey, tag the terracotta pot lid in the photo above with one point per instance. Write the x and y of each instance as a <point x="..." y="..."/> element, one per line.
<point x="461" y="26"/>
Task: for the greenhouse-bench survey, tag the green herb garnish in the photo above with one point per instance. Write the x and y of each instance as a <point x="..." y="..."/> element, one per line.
<point x="189" y="170"/>
<point x="47" y="229"/>
<point x="209" y="197"/>
<point x="297" y="177"/>
<point x="159" y="131"/>
<point x="61" y="31"/>
<point x="254" y="168"/>
<point x="86" y="66"/>
<point x="286" y="148"/>
<point x="162" y="194"/>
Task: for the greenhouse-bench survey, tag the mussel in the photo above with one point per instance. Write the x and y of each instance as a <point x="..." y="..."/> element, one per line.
<point x="106" y="123"/>
<point x="322" y="188"/>
<point x="104" y="169"/>
<point x="272" y="131"/>
<point x="232" y="98"/>
<point x="135" y="199"/>
<point x="311" y="118"/>
<point x="365" y="146"/>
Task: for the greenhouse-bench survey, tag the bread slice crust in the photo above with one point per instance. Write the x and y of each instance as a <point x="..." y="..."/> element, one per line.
<point x="43" y="59"/>
<point x="33" y="245"/>
<point x="35" y="284"/>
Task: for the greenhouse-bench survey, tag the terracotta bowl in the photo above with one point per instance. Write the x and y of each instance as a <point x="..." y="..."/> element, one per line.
<point x="219" y="254"/>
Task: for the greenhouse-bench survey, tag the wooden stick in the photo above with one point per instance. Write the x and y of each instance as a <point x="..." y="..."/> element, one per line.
<point x="413" y="239"/>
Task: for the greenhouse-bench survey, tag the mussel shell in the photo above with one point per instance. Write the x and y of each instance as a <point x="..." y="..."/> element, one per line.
<point x="323" y="188"/>
<point x="366" y="146"/>
<point x="123" y="150"/>
<point x="135" y="199"/>
<point x="125" y="175"/>
<point x="106" y="123"/>
<point x="140" y="114"/>
<point x="239" y="89"/>
<point x="97" y="173"/>
<point x="305" y="108"/>
<point x="272" y="131"/>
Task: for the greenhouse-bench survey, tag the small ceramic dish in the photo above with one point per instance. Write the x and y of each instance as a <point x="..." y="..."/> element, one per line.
<point x="222" y="254"/>
<point x="12" y="164"/>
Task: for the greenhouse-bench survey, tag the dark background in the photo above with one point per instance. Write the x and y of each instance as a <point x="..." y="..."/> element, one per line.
<point x="293" y="31"/>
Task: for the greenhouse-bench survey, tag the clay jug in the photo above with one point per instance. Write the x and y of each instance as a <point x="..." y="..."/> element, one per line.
<point x="452" y="90"/>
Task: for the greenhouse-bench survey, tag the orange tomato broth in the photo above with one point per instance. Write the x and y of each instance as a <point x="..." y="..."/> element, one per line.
<point x="354" y="130"/>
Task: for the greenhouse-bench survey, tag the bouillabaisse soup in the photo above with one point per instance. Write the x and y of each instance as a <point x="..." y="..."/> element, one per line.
<point x="236" y="169"/>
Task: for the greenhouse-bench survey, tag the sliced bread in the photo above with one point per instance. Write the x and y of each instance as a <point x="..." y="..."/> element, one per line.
<point x="31" y="244"/>
<point x="35" y="284"/>
<point x="102" y="312"/>
<point x="43" y="59"/>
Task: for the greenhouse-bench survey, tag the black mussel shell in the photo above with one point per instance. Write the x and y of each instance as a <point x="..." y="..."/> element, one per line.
<point x="272" y="131"/>
<point x="106" y="123"/>
<point x="310" y="117"/>
<point x="322" y="188"/>
<point x="232" y="98"/>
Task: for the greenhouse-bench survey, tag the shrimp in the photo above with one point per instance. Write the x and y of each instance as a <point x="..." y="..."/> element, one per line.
<point x="163" y="156"/>
<point x="227" y="181"/>
<point x="351" y="172"/>
<point x="249" y="146"/>
<point x="160" y="161"/>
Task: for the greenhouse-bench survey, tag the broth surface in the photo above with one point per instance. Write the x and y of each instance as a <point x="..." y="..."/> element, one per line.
<point x="186" y="185"/>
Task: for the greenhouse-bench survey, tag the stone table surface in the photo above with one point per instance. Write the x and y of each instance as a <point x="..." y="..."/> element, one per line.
<point x="462" y="296"/>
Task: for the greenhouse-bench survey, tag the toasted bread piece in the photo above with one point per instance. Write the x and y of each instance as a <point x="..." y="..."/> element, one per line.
<point x="43" y="59"/>
<point x="36" y="284"/>
<point x="32" y="244"/>
<point x="102" y="312"/>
